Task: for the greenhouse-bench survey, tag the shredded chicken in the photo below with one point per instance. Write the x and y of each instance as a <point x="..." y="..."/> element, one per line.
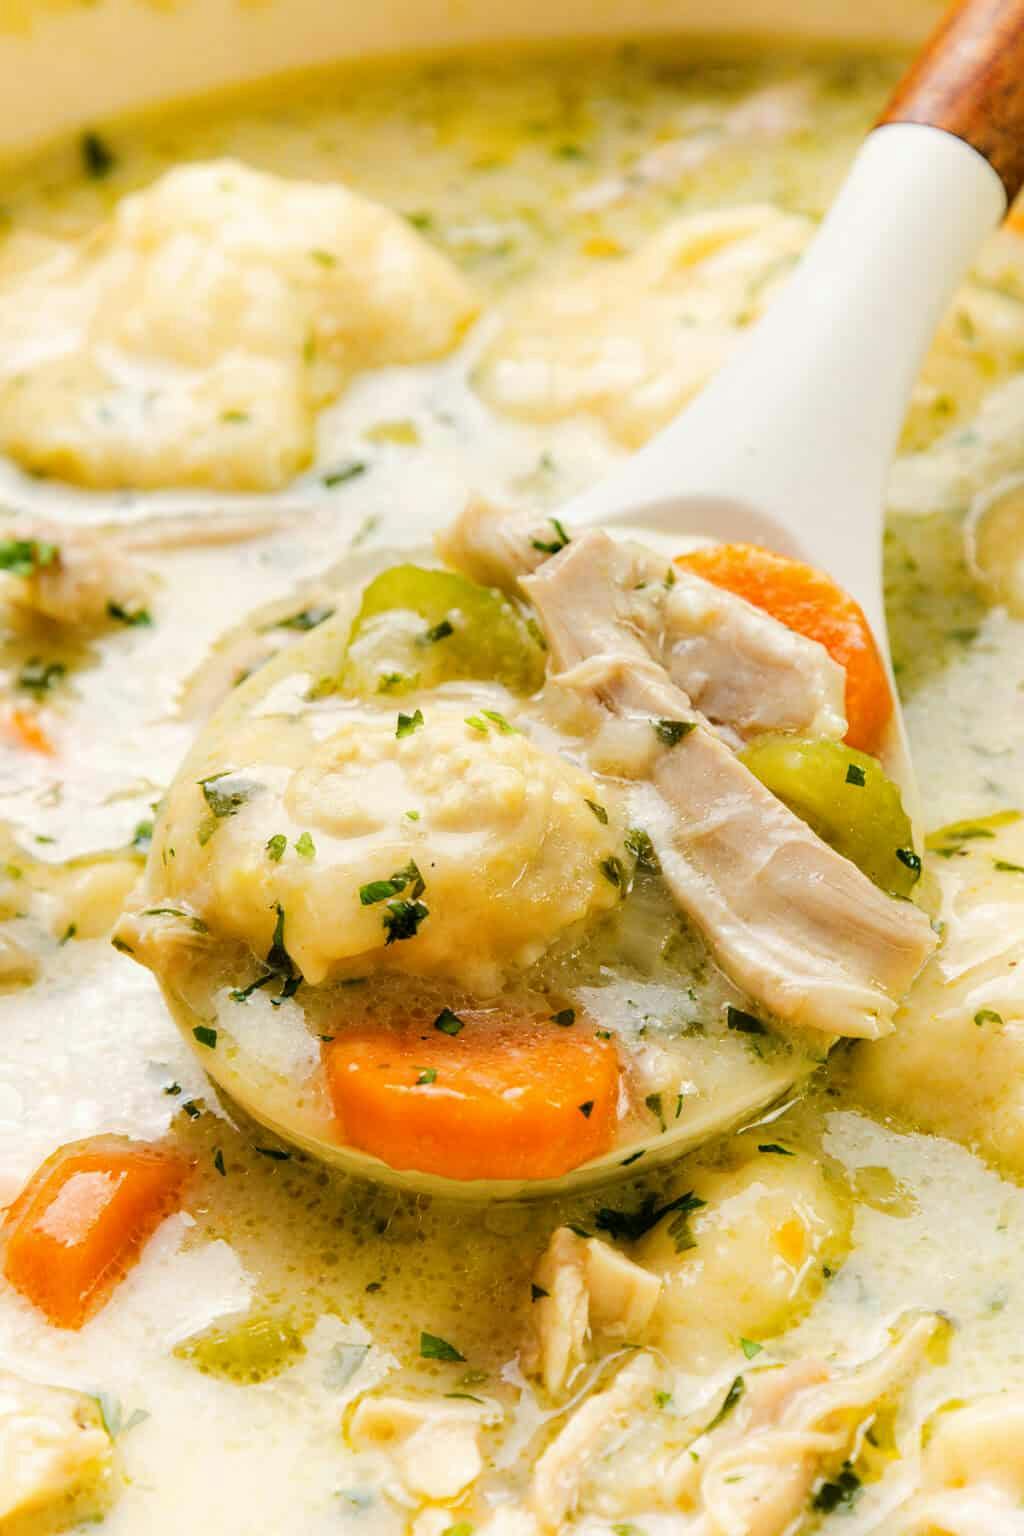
<point x="559" y="1474"/>
<point x="790" y="1429"/>
<point x="53" y="1448"/>
<point x="435" y="1446"/>
<point x="579" y="1285"/>
<point x="81" y="578"/>
<point x="743" y="670"/>
<point x="800" y="928"/>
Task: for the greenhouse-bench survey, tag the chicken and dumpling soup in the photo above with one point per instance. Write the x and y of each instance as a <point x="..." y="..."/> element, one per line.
<point x="487" y="1052"/>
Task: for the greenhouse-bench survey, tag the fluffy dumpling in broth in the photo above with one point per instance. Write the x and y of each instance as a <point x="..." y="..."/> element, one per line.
<point x="414" y="841"/>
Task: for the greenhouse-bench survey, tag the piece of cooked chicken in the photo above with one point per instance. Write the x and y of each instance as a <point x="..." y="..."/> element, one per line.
<point x="80" y="578"/>
<point x="793" y="923"/>
<point x="743" y="669"/>
<point x="54" y="1450"/>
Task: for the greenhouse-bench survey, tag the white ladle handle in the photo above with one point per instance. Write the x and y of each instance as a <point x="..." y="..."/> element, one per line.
<point x="801" y="425"/>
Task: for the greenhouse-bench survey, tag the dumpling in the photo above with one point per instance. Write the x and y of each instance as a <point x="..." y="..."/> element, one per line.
<point x="444" y="848"/>
<point x="191" y="340"/>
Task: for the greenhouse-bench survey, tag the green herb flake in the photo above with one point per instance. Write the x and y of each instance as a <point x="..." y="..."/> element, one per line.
<point x="744" y="1023"/>
<point x="276" y="846"/>
<point x="433" y="1348"/>
<point x="206" y="1036"/>
<point x="448" y="1022"/>
<point x="437" y="632"/>
<point x="408" y="723"/>
<point x="599" y="811"/>
<point x="504" y="726"/>
<point x="613" y="871"/>
<point x="98" y="158"/>
<point x="750" y="1348"/>
<point x="142" y="837"/>
<point x="856" y="775"/>
<point x="564" y="1017"/>
<point x="305" y="847"/>
<point x="324" y="258"/>
<point x="538" y="1293"/>
<point x="1003" y="865"/>
<point x="173" y="1090"/>
<point x="729" y="1402"/>
<point x="586" y="1109"/>
<point x="475" y="723"/>
<point x="638" y="843"/>
<point x="653" y="1102"/>
<point x="671" y="732"/>
<point x="306" y="619"/>
<point x="634" y="1157"/>
<point x="23" y="557"/>
<point x="133" y="618"/>
<point x="630" y="1226"/>
<point x="843" y="1489"/>
<point x="774" y="1146"/>
<point x="112" y="1414"/>
<point x="192" y="1109"/>
<point x="39" y="677"/>
<point x="275" y="1154"/>
<point x="662" y="1399"/>
<point x="225" y="793"/>
<point x="427" y="1076"/>
<point x="68" y="934"/>
<point x="380" y="890"/>
<point x="460" y="1528"/>
<point x="552" y="546"/>
<point x="218" y="1163"/>
<point x="344" y="473"/>
<point x="987" y="1016"/>
<point x="402" y="920"/>
<point x="908" y="857"/>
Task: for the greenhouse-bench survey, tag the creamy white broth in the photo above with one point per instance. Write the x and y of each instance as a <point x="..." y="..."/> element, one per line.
<point x="513" y="174"/>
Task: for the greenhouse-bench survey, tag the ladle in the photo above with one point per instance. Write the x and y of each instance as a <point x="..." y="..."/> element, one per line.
<point x="790" y="445"/>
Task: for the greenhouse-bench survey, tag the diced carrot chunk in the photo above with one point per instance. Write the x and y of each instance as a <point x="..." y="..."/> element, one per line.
<point x="28" y="732"/>
<point x="811" y="603"/>
<point x="82" y="1219"/>
<point x="500" y="1097"/>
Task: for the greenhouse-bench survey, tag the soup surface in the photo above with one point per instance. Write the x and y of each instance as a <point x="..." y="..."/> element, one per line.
<point x="252" y="356"/>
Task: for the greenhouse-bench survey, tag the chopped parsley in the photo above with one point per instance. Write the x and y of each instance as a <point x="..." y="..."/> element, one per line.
<point x="634" y="1157"/>
<point x="744" y="1023"/>
<point x="613" y="871"/>
<point x="477" y="724"/>
<point x="225" y="793"/>
<point x="987" y="1016"/>
<point x="503" y="725"/>
<point x="172" y="1090"/>
<point x="639" y="844"/>
<point x="750" y="1348"/>
<point x="600" y="812"/>
<point x="538" y="1293"/>
<point x="279" y="960"/>
<point x="38" y="676"/>
<point x="344" y="473"/>
<point x="206" y="1036"/>
<point x="908" y="857"/>
<point x="218" y="1163"/>
<point x="437" y="632"/>
<point x="112" y="1414"/>
<point x="586" y="1109"/>
<point x="394" y="885"/>
<point x="408" y="723"/>
<point x="306" y="619"/>
<point x="276" y="846"/>
<point x="729" y="1402"/>
<point x="448" y="1022"/>
<point x="142" y="837"/>
<point x="324" y="258"/>
<point x="654" y="1104"/>
<point x="671" y="732"/>
<point x="196" y="923"/>
<point x="276" y="1154"/>
<point x="774" y="1146"/>
<point x="662" y="1399"/>
<point x="134" y="618"/>
<point x="1003" y="865"/>
<point x="632" y="1225"/>
<point x="564" y="1017"/>
<point x="23" y="557"/>
<point x="305" y="847"/>
<point x="69" y="933"/>
<point x="243" y="994"/>
<point x="842" y="1490"/>
<point x="426" y="1077"/>
<point x="552" y="546"/>
<point x="856" y="775"/>
<point x="433" y="1348"/>
<point x="402" y="920"/>
<point x="97" y="156"/>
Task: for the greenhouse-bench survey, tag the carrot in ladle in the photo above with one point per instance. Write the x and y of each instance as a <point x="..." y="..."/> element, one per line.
<point x="808" y="601"/>
<point x="477" y="1095"/>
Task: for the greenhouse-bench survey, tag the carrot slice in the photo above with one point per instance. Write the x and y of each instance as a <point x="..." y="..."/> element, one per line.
<point x="29" y="733"/>
<point x="81" y="1221"/>
<point x="814" y="605"/>
<point x="478" y="1095"/>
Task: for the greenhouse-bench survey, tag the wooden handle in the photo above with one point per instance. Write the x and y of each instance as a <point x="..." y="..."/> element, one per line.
<point x="969" y="80"/>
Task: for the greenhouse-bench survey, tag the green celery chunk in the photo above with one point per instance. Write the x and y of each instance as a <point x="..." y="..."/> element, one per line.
<point x="844" y="796"/>
<point x="417" y="628"/>
<point x="250" y="1351"/>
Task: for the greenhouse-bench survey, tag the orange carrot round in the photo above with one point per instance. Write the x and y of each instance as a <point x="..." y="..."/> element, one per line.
<point x="81" y="1221"/>
<point x="811" y="603"/>
<point x="28" y="732"/>
<point x="476" y="1095"/>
